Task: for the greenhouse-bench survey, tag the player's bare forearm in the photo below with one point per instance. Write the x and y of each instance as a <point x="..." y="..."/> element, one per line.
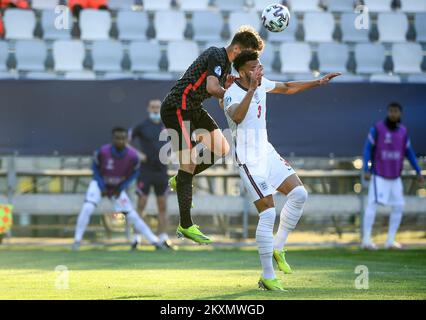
<point x="214" y="88"/>
<point x="238" y="111"/>
<point x="300" y="86"/>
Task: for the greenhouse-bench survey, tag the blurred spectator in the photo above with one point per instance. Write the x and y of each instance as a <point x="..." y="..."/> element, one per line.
<point x="1" y="26"/>
<point x="22" y="4"/>
<point x="78" y="5"/>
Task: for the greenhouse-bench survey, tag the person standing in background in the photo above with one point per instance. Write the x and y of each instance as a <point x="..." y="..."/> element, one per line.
<point x="387" y="145"/>
<point x="153" y="173"/>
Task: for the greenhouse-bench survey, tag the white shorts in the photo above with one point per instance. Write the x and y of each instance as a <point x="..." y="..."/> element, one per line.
<point x="386" y="191"/>
<point x="264" y="177"/>
<point x="121" y="204"/>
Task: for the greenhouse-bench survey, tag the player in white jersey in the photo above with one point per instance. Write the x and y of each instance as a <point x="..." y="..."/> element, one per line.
<point x="261" y="168"/>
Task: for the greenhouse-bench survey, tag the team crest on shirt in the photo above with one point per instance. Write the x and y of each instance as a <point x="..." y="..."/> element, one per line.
<point x="218" y="71"/>
<point x="263" y="186"/>
<point x="228" y="100"/>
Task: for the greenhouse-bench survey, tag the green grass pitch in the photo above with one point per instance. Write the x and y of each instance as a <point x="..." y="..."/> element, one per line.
<point x="207" y="273"/>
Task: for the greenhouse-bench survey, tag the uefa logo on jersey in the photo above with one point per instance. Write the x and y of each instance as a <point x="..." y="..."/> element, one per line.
<point x="218" y="71"/>
<point x="388" y="138"/>
<point x="110" y="164"/>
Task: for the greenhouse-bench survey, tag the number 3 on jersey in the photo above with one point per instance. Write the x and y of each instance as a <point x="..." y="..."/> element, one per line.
<point x="259" y="111"/>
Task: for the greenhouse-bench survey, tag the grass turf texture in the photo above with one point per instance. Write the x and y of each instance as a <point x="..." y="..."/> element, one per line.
<point x="207" y="273"/>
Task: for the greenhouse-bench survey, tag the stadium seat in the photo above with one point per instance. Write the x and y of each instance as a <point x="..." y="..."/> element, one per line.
<point x="259" y="5"/>
<point x="30" y="55"/>
<point x="118" y="76"/>
<point x="319" y="26"/>
<point x="288" y="35"/>
<point x="39" y="75"/>
<point x="121" y="4"/>
<point x="107" y="55"/>
<point x="378" y="5"/>
<point x="8" y="75"/>
<point x="181" y="54"/>
<point x="144" y="56"/>
<point x="295" y="57"/>
<point x="385" y="78"/>
<point x="233" y="6"/>
<point x="392" y="27"/>
<point x="333" y="57"/>
<point x="417" y="78"/>
<point x="19" y="24"/>
<point x="370" y="57"/>
<point x="304" y="6"/>
<point x="44" y="4"/>
<point x="169" y="25"/>
<point x="4" y="54"/>
<point x="155" y="5"/>
<point x="420" y="25"/>
<point x="349" y="78"/>
<point x="407" y="57"/>
<point x="267" y="58"/>
<point x="218" y="44"/>
<point x="237" y="19"/>
<point x="80" y="75"/>
<point x="413" y="6"/>
<point x="340" y="5"/>
<point x="207" y="25"/>
<point x="50" y="32"/>
<point x="194" y="5"/>
<point x="95" y="24"/>
<point x="349" y="32"/>
<point x="132" y="25"/>
<point x="68" y="55"/>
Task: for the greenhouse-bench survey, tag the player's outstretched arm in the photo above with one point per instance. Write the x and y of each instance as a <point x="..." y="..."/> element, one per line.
<point x="300" y="86"/>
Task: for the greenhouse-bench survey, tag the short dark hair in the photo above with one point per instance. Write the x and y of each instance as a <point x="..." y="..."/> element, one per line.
<point x="118" y="129"/>
<point x="395" y="105"/>
<point x="248" y="38"/>
<point x="245" y="56"/>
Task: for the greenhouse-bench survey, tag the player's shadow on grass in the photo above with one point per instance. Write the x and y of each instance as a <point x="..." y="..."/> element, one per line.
<point x="248" y="293"/>
<point x="149" y="297"/>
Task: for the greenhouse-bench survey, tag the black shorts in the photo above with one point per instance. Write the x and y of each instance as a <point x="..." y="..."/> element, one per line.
<point x="182" y="123"/>
<point x="157" y="179"/>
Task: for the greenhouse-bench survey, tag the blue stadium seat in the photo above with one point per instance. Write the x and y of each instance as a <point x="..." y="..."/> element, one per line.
<point x="417" y="78"/>
<point x="155" y="5"/>
<point x="340" y="5"/>
<point x="44" y="4"/>
<point x="378" y="5"/>
<point x="40" y="75"/>
<point x="407" y="57"/>
<point x="19" y="24"/>
<point x="30" y="55"/>
<point x="132" y="25"/>
<point x="333" y="57"/>
<point x="194" y="5"/>
<point x="181" y="54"/>
<point x="169" y="25"/>
<point x="319" y="26"/>
<point x="237" y="19"/>
<point x="349" y="32"/>
<point x="107" y="55"/>
<point x="385" y="78"/>
<point x="288" y="35"/>
<point x="4" y="54"/>
<point x="50" y="32"/>
<point x="121" y="4"/>
<point x="207" y="25"/>
<point x="259" y="5"/>
<point x="95" y="24"/>
<point x="267" y="58"/>
<point x="413" y="6"/>
<point x="80" y="75"/>
<point x="420" y="25"/>
<point x="370" y="57"/>
<point x="233" y="6"/>
<point x="144" y="56"/>
<point x="304" y="6"/>
<point x="295" y="57"/>
<point x="392" y="26"/>
<point x="68" y="55"/>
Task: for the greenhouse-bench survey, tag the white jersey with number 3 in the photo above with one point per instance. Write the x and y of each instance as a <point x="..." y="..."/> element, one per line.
<point x="250" y="136"/>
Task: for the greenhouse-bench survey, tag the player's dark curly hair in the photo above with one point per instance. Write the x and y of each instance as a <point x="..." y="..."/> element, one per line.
<point x="395" y="105"/>
<point x="248" y="38"/>
<point x="118" y="129"/>
<point x="245" y="56"/>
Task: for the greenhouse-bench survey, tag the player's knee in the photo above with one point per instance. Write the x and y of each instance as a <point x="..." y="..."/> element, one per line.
<point x="299" y="195"/>
<point x="264" y="204"/>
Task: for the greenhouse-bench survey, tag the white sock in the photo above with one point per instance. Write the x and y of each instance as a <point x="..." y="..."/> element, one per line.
<point x="394" y="222"/>
<point x="83" y="220"/>
<point x="141" y="227"/>
<point x="290" y="215"/>
<point x="136" y="237"/>
<point x="163" y="237"/>
<point x="368" y="222"/>
<point x="264" y="240"/>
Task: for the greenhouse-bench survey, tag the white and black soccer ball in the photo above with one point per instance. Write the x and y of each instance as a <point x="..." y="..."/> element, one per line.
<point x="275" y="17"/>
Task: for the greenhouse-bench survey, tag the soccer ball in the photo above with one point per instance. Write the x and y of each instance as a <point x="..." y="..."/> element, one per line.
<point x="275" y="17"/>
